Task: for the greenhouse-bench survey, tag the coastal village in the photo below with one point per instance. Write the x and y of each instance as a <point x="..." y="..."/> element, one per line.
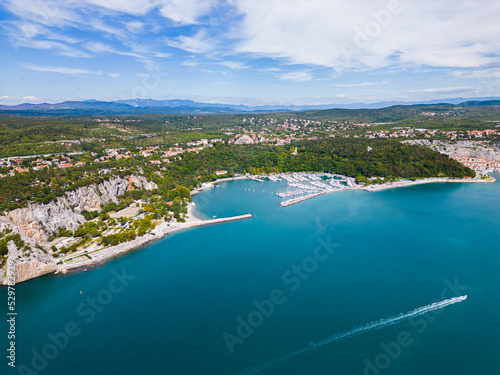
<point x="481" y="165"/>
<point x="253" y="130"/>
<point x="157" y="154"/>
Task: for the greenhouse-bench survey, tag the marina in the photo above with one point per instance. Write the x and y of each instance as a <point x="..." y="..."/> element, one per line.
<point x="302" y="186"/>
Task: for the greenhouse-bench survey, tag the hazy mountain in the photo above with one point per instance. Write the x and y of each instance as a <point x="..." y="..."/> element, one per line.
<point x="179" y="106"/>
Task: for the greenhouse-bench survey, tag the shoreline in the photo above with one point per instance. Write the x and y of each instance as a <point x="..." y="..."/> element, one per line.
<point x="211" y="184"/>
<point x="391" y="185"/>
<point x="163" y="229"/>
<point x="160" y="231"/>
<point x="428" y="180"/>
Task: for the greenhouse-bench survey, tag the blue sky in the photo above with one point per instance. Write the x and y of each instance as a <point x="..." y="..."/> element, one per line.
<point x="249" y="51"/>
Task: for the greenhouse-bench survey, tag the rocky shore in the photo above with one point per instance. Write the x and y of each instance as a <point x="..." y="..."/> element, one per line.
<point x="37" y="222"/>
<point x="160" y="231"/>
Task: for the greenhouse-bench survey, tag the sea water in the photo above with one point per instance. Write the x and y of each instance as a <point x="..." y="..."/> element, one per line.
<point x="248" y="296"/>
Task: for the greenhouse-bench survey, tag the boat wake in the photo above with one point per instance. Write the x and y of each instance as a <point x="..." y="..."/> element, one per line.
<point x="364" y="328"/>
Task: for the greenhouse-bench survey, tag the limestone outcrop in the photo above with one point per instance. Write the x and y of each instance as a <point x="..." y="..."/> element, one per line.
<point x="142" y="182"/>
<point x="483" y="149"/>
<point x="40" y="221"/>
<point x="37" y="222"/>
<point x="31" y="261"/>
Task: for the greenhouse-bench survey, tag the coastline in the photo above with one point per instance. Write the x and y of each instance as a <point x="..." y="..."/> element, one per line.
<point x="210" y="185"/>
<point x="163" y="229"/>
<point x="429" y="180"/>
<point x="390" y="185"/>
<point x="160" y="231"/>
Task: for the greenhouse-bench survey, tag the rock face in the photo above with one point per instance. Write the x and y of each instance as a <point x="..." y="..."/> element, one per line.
<point x="40" y="221"/>
<point x="84" y="198"/>
<point x="92" y="198"/>
<point x="32" y="268"/>
<point x="142" y="183"/>
<point x="28" y="263"/>
<point x="37" y="222"/>
<point x="473" y="149"/>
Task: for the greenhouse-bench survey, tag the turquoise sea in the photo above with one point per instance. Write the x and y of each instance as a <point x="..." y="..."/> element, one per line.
<point x="269" y="294"/>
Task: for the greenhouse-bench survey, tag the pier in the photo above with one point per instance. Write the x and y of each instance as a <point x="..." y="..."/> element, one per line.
<point x="82" y="258"/>
<point x="302" y="185"/>
<point x="291" y="201"/>
<point x="222" y="220"/>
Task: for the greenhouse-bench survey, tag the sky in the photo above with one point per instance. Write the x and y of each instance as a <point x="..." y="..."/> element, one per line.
<point x="249" y="51"/>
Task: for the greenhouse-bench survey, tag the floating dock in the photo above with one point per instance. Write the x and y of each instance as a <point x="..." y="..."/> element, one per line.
<point x="300" y="199"/>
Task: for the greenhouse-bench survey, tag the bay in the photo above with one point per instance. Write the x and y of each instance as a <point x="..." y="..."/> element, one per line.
<point x="338" y="261"/>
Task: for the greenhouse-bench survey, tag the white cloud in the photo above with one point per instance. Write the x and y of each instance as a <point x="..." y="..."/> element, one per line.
<point x="135" y="26"/>
<point x="99" y="47"/>
<point x="22" y="29"/>
<point x="26" y="29"/>
<point x="269" y="70"/>
<point x="233" y="64"/>
<point x="299" y="76"/>
<point x="360" y="84"/>
<point x="186" y="11"/>
<point x="48" y="13"/>
<point x="365" y="35"/>
<point x="342" y="34"/>
<point x="63" y="12"/>
<point x="114" y="75"/>
<point x="135" y="7"/>
<point x="199" y="43"/>
<point x="59" y="69"/>
<point x="100" y="25"/>
<point x="183" y="12"/>
<point x="485" y="72"/>
<point x="13" y="100"/>
<point x="162" y="55"/>
<point x="445" y="90"/>
<point x="59" y="47"/>
<point x="190" y="63"/>
<point x="30" y="30"/>
<point x="288" y="38"/>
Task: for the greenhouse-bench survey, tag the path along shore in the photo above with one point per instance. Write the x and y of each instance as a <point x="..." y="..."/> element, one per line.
<point x="430" y="180"/>
<point x="160" y="231"/>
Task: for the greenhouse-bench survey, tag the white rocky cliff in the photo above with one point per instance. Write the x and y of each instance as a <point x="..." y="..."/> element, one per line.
<point x="37" y="222"/>
<point x="474" y="149"/>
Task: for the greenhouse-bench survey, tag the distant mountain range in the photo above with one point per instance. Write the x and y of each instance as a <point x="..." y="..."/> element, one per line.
<point x="178" y="106"/>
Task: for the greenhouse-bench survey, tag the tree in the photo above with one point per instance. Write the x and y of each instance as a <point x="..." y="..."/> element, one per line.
<point x="360" y="179"/>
